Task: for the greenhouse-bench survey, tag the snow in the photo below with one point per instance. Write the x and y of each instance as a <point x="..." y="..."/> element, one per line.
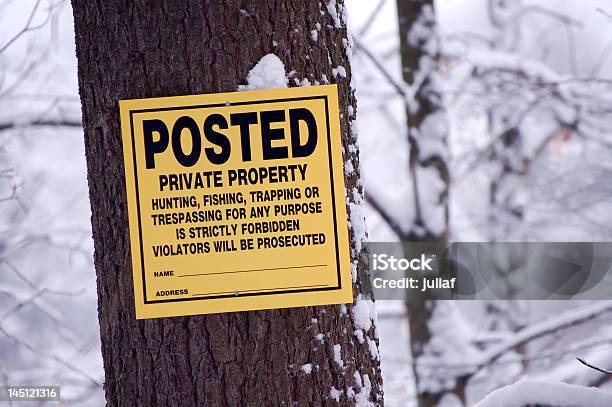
<point x="338" y="356"/>
<point x="335" y="393"/>
<point x="358" y="333"/>
<point x="362" y="313"/>
<point x="373" y="349"/>
<point x="339" y="71"/>
<point x="333" y="12"/>
<point x="268" y="73"/>
<point x="347" y="44"/>
<point x="450" y="352"/>
<point x="348" y="167"/>
<point x="502" y="60"/>
<point x="355" y="130"/>
<point x="431" y="187"/>
<point x="357" y="218"/>
<point x="357" y="221"/>
<point x="307" y="368"/>
<point x="354" y="271"/>
<point x="547" y="394"/>
<point x="558" y="322"/>
<point x="420" y="31"/>
<point x="344" y="14"/>
<point x="382" y="137"/>
<point x="594" y="350"/>
<point x="314" y="35"/>
<point x="433" y="131"/>
<point x="365" y="385"/>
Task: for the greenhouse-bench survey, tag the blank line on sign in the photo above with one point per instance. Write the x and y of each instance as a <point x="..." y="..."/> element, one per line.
<point x="238" y="293"/>
<point x="247" y="271"/>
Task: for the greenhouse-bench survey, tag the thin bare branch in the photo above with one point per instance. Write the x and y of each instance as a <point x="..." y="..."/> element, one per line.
<point x="25" y="345"/>
<point x="386" y="216"/>
<point x="41" y="123"/>
<point x="549" y="13"/>
<point x="369" y="22"/>
<point x="400" y="87"/>
<point x="593" y="367"/>
<point x="604" y="12"/>
<point x="25" y="29"/>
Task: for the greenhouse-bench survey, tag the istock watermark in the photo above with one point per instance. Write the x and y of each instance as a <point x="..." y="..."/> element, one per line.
<point x="385" y="262"/>
<point x="501" y="270"/>
<point x="423" y="263"/>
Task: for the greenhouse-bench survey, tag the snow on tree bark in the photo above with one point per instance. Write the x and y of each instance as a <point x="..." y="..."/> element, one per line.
<point x="131" y="50"/>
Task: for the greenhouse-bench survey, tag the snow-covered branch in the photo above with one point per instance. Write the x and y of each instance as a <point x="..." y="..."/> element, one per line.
<point x="539" y="393"/>
<point x="555" y="324"/>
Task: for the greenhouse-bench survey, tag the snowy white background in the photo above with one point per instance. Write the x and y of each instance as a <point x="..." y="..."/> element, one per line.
<point x="574" y="166"/>
<point x="48" y="320"/>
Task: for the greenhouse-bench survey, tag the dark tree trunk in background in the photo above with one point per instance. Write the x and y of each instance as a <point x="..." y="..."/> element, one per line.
<point x="427" y="137"/>
<point x="426" y="119"/>
<point x="146" y="49"/>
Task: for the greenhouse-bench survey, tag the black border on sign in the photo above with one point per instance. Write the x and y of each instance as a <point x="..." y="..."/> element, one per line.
<point x="246" y="294"/>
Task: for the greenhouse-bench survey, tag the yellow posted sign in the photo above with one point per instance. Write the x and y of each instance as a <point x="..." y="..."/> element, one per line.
<point x="236" y="201"/>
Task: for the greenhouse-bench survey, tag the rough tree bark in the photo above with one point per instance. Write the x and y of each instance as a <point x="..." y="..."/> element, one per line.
<point x="427" y="138"/>
<point x="141" y="49"/>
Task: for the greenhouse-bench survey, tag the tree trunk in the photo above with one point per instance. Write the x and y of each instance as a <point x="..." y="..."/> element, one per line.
<point x="132" y="50"/>
<point x="427" y="139"/>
